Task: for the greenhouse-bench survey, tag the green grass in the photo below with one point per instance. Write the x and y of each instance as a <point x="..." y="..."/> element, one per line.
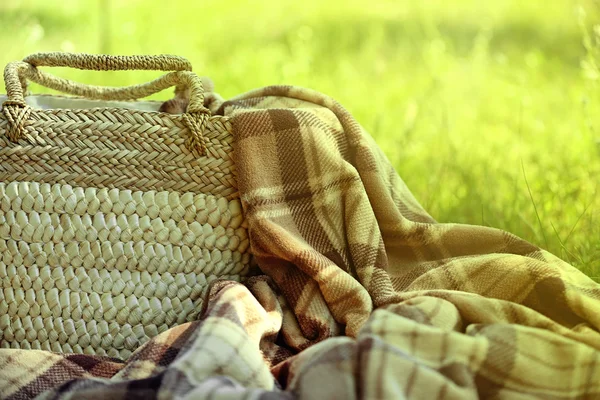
<point x="484" y="108"/>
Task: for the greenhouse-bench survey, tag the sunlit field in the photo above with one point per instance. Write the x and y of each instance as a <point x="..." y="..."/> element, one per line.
<point x="490" y="111"/>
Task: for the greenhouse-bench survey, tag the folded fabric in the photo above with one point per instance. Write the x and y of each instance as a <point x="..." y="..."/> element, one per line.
<point x="362" y="293"/>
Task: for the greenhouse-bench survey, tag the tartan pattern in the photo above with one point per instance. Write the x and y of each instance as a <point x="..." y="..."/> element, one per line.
<point x="362" y="294"/>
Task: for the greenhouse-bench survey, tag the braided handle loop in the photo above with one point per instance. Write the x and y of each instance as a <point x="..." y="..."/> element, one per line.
<point x="17" y="73"/>
<point x="103" y="62"/>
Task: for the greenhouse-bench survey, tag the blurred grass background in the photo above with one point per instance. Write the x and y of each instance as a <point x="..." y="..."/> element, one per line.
<point x="490" y="111"/>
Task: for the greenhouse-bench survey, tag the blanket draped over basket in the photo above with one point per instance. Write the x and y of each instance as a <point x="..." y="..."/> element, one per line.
<point x="360" y="294"/>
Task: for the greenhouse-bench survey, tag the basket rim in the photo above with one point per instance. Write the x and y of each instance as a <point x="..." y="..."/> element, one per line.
<point x="109" y="109"/>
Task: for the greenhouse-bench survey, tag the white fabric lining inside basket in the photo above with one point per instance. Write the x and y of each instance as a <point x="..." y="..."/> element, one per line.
<point x="45" y="102"/>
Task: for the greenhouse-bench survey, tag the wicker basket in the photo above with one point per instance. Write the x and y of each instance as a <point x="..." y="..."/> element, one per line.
<point x="112" y="220"/>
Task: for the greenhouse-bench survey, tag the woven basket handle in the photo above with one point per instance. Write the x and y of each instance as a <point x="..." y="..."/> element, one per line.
<point x="103" y="62"/>
<point x="17" y="73"/>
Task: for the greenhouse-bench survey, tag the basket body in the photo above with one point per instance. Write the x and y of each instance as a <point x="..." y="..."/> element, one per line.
<point x="111" y="229"/>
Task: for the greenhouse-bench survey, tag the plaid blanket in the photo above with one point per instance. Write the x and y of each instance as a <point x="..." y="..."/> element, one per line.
<point x="361" y="293"/>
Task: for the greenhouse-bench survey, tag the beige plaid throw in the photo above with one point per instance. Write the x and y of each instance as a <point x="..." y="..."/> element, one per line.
<point x="361" y="294"/>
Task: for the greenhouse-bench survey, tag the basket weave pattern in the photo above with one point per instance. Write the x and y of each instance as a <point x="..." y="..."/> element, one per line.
<point x="143" y="150"/>
<point x="111" y="227"/>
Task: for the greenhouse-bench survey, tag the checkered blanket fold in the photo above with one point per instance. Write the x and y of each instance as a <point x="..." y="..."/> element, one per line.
<point x="361" y="294"/>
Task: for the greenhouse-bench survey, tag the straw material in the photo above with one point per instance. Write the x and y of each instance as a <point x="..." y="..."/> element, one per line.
<point x="112" y="221"/>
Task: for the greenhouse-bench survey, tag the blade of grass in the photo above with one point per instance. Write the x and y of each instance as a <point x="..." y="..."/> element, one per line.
<point x="578" y="219"/>
<point x="537" y="214"/>
<point x="562" y="245"/>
